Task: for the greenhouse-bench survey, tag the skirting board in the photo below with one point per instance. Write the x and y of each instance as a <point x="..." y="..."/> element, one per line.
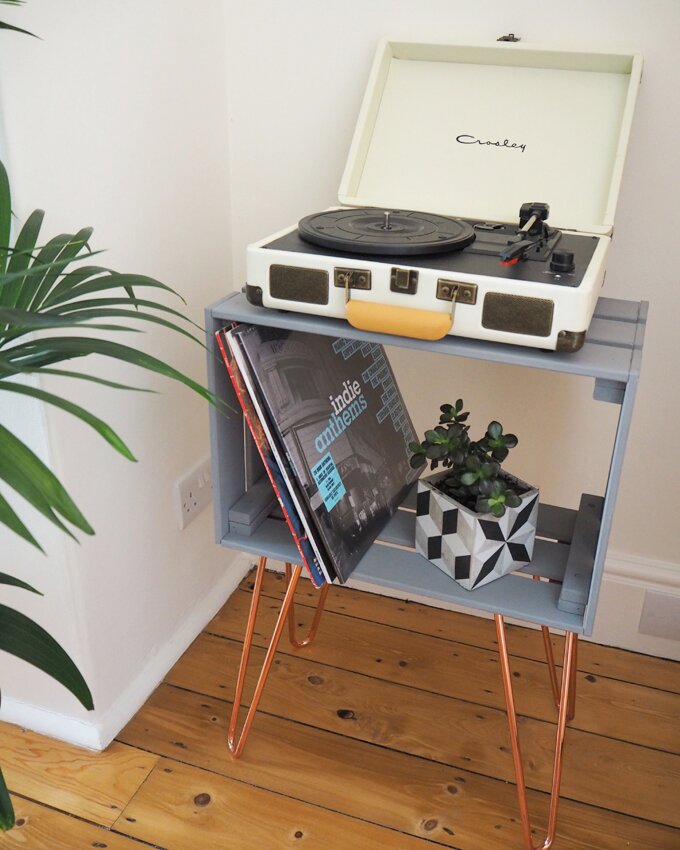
<point x="98" y="735"/>
<point x="627" y="579"/>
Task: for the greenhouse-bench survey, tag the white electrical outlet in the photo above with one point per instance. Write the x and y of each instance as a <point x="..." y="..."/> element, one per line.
<point x="193" y="492"/>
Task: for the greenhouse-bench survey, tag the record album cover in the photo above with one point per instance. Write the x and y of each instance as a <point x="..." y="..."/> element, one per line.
<point x="276" y="466"/>
<point x="336" y="406"/>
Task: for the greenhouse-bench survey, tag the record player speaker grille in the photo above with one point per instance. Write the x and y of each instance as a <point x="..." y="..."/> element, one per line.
<point x="291" y="283"/>
<point x="517" y="314"/>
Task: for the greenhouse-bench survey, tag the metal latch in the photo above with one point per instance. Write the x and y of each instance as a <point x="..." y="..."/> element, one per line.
<point x="453" y="290"/>
<point x="352" y="278"/>
<point x="404" y="280"/>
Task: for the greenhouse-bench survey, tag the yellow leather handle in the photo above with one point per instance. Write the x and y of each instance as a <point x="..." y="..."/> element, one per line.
<point x="400" y="321"/>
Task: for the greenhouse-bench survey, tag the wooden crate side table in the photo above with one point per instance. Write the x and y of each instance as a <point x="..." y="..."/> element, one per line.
<point x="571" y="545"/>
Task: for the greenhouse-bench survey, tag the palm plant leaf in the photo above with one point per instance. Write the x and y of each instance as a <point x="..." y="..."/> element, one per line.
<point x="6" y="810"/>
<point x="5" y="218"/>
<point x="15" y="582"/>
<point x="58" y="253"/>
<point x="24" y="472"/>
<point x="69" y="288"/>
<point x="25" y="639"/>
<point x="23" y="322"/>
<point x="93" y="421"/>
<point x="10" y="518"/>
<point x="6" y="26"/>
<point x="65" y="373"/>
<point x="68" y="347"/>
<point x="67" y="307"/>
<point x="22" y="253"/>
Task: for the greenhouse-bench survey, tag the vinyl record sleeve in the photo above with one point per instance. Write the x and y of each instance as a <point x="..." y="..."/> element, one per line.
<point x="274" y="467"/>
<point x="338" y="412"/>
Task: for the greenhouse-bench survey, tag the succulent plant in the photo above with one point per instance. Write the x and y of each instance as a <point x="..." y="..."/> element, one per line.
<point x="476" y="478"/>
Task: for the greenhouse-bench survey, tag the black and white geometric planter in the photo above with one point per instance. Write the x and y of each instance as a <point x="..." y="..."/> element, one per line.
<point x="473" y="548"/>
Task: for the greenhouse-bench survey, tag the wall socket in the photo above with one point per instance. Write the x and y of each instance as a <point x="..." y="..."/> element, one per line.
<point x="193" y="492"/>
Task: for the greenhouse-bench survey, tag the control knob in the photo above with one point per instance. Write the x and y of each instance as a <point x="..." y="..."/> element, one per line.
<point x="562" y="261"/>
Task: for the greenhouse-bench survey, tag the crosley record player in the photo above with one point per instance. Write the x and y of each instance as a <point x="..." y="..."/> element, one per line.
<point x="478" y="198"/>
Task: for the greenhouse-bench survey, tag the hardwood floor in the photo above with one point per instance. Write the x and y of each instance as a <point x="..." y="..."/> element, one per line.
<point x="388" y="732"/>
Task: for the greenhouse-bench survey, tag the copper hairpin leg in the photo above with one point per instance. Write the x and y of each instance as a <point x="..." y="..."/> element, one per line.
<point x="554" y="684"/>
<point x="565" y="705"/>
<point x="292" y="577"/>
<point x="298" y="644"/>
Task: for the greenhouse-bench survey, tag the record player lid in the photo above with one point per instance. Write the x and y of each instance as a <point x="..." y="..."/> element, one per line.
<point x="471" y="131"/>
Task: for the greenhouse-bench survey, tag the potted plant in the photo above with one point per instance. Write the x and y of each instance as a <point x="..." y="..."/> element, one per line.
<point x="51" y="296"/>
<point x="475" y="521"/>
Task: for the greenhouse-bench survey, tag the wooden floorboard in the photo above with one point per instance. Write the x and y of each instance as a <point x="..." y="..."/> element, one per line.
<point x="607" y="706"/>
<point x="41" y="828"/>
<point x="408" y="751"/>
<point x="479" y="631"/>
<point x="94" y="786"/>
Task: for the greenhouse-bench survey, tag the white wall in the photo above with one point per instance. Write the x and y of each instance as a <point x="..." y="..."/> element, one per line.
<point x="297" y="73"/>
<point x="117" y="118"/>
<point x="182" y="134"/>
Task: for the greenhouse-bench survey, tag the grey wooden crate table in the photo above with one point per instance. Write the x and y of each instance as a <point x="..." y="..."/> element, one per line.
<point x="572" y="541"/>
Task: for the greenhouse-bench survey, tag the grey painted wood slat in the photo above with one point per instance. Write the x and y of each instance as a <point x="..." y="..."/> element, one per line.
<point x="611" y="391"/>
<point x="226" y="434"/>
<point x="595" y="360"/>
<point x="620" y="440"/>
<point x="556" y="522"/>
<point x="549" y="560"/>
<point x="512" y="595"/>
<point x="253" y="507"/>
<point x="273" y="539"/>
<point x="610" y="332"/>
<point x="579" y="568"/>
<point x="615" y="308"/>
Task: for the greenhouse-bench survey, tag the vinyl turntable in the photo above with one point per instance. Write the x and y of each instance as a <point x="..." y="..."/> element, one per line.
<point x="437" y="236"/>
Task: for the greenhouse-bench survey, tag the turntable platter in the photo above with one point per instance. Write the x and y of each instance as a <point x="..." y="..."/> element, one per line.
<point x="377" y="231"/>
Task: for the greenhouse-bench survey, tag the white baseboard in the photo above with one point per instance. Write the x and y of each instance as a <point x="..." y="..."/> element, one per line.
<point x="643" y="572"/>
<point x="99" y="733"/>
<point x="627" y="578"/>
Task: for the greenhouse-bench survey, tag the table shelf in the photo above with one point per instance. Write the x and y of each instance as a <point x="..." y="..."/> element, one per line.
<point x="571" y="543"/>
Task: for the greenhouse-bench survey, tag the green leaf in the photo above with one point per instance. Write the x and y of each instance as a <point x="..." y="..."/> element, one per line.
<point x="60" y="252"/>
<point x="45" y="348"/>
<point x="9" y="517"/>
<point x="512" y="500"/>
<point x="71" y="280"/>
<point x="5" y="216"/>
<point x="6" y="809"/>
<point x="22" y="253"/>
<point x="29" y="476"/>
<point x="66" y="307"/>
<point x="111" y="280"/>
<point x="15" y="582"/>
<point x="25" y="639"/>
<point x="75" y="410"/>
<point x="65" y="373"/>
<point x="468" y="478"/>
<point x="77" y="317"/>
<point x="494" y="430"/>
<point x="6" y="26"/>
